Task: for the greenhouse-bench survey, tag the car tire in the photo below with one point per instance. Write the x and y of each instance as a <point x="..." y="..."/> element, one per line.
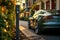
<point x="36" y="31"/>
<point x="29" y="25"/>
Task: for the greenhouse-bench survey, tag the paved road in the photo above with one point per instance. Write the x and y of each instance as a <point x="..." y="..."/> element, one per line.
<point x="52" y="37"/>
<point x="46" y="37"/>
<point x="23" y="23"/>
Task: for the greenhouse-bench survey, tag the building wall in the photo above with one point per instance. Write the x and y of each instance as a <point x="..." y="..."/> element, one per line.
<point x="59" y="4"/>
<point x="30" y="3"/>
<point x="38" y="6"/>
<point x="50" y="4"/>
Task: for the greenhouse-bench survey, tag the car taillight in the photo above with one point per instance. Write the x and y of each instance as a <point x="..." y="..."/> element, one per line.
<point x="48" y="17"/>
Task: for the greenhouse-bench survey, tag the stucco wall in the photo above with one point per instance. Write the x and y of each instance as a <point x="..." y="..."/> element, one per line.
<point x="59" y="4"/>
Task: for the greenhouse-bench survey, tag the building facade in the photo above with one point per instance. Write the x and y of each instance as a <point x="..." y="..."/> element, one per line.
<point x="49" y="4"/>
<point x="40" y="4"/>
<point x="52" y="4"/>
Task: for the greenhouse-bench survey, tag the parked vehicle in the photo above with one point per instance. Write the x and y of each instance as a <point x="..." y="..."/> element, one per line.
<point x="44" y="22"/>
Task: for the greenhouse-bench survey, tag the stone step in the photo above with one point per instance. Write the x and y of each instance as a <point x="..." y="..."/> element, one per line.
<point x="30" y="35"/>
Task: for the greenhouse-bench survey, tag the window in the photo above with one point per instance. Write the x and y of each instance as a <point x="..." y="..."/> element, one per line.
<point x="42" y="5"/>
<point x="53" y="6"/>
<point x="48" y="5"/>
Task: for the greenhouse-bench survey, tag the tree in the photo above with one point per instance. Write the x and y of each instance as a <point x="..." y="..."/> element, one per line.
<point x="7" y="20"/>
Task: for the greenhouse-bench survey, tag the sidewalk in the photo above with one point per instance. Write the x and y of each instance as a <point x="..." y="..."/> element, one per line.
<point x="23" y="23"/>
<point x="29" y="35"/>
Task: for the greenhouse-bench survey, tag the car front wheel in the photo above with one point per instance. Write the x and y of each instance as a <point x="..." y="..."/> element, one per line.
<point x="36" y="31"/>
